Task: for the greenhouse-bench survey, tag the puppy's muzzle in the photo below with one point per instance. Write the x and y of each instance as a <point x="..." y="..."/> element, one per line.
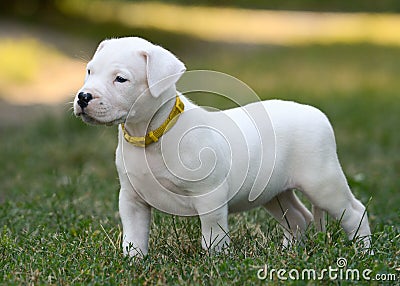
<point x="83" y="99"/>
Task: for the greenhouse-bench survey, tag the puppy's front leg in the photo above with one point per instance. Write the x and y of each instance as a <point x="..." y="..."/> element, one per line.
<point x="214" y="229"/>
<point x="135" y="217"/>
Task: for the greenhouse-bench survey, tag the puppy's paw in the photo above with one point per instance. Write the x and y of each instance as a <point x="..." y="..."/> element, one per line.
<point x="218" y="245"/>
<point x="366" y="247"/>
<point x="132" y="251"/>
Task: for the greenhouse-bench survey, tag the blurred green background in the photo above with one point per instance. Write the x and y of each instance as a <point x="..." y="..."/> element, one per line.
<point x="340" y="56"/>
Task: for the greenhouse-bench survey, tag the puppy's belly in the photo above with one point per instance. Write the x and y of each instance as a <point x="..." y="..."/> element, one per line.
<point x="279" y="181"/>
<point x="240" y="202"/>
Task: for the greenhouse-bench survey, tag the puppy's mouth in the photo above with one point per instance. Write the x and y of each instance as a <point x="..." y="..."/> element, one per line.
<point x="98" y="113"/>
<point x="94" y="121"/>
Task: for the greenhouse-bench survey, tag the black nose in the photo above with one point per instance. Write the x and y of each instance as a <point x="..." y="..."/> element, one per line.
<point x="84" y="98"/>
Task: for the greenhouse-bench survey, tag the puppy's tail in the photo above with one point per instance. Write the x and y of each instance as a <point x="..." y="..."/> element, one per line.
<point x="319" y="218"/>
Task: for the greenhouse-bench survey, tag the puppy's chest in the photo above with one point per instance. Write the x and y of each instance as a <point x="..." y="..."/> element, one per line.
<point x="181" y="173"/>
<point x="172" y="173"/>
<point x="142" y="165"/>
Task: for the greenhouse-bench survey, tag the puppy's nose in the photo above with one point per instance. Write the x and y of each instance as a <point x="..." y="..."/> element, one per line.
<point x="83" y="99"/>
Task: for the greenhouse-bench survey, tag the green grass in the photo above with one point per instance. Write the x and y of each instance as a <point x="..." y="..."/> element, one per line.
<point x="59" y="220"/>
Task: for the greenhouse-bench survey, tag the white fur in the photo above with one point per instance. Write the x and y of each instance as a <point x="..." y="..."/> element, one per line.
<point x="213" y="163"/>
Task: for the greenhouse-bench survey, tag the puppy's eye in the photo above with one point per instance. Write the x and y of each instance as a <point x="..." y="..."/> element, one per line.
<point x="120" y="79"/>
<point x="88" y="72"/>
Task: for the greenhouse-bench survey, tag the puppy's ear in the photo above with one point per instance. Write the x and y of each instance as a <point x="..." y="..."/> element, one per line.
<point x="163" y="69"/>
<point x="101" y="45"/>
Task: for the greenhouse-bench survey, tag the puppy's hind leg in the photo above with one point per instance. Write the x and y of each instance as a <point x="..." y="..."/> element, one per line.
<point x="291" y="214"/>
<point x="319" y="218"/>
<point x="331" y="192"/>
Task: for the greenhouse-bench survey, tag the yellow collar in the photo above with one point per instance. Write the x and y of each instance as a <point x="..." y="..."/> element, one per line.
<point x="154" y="135"/>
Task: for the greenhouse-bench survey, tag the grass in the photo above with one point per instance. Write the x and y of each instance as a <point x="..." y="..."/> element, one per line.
<point x="58" y="190"/>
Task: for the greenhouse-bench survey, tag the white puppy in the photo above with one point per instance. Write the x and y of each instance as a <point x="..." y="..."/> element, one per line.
<point x="184" y="160"/>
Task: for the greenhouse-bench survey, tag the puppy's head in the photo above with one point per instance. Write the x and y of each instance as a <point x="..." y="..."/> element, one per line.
<point x="126" y="75"/>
